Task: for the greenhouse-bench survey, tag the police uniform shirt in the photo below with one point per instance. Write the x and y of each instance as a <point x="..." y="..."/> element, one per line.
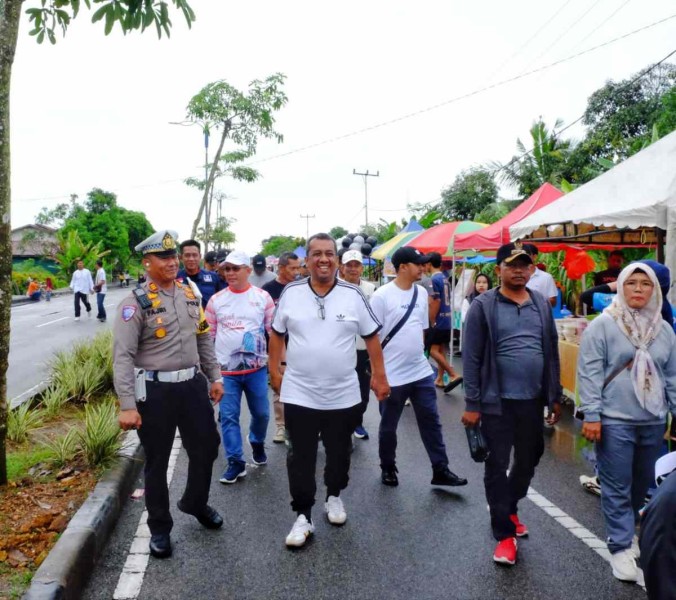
<point x="169" y="336"/>
<point x="321" y="356"/>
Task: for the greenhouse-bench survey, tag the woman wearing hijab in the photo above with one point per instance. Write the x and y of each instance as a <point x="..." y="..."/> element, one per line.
<point x="626" y="375"/>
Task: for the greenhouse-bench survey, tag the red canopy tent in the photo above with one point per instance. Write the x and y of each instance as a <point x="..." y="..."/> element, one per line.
<point x="497" y="234"/>
<point x="438" y="238"/>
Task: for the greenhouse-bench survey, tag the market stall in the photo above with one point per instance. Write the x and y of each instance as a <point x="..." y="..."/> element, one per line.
<point x="633" y="204"/>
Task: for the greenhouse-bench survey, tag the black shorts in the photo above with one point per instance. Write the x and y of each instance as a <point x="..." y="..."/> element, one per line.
<point x="439" y="337"/>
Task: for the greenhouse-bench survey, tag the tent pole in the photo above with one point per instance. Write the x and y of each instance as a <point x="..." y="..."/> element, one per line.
<point x="659" y="234"/>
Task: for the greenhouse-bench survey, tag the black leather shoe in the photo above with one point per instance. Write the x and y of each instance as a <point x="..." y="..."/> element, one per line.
<point x="389" y="476"/>
<point x="160" y="545"/>
<point x="446" y="477"/>
<point x="208" y="517"/>
<point x="452" y="385"/>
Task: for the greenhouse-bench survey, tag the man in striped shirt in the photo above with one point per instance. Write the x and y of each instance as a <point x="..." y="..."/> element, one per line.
<point x="239" y="317"/>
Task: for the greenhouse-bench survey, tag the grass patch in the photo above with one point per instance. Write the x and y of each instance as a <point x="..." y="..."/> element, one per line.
<point x="21" y="420"/>
<point x="20" y="461"/>
<point x="101" y="437"/>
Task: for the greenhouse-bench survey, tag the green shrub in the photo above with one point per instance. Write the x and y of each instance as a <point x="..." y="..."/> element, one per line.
<point x="21" y="420"/>
<point x="86" y="370"/>
<point x="101" y="437"/>
<point x="64" y="448"/>
<point x="52" y="401"/>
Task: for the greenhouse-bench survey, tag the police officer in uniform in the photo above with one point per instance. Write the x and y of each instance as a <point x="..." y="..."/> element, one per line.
<point x="163" y="357"/>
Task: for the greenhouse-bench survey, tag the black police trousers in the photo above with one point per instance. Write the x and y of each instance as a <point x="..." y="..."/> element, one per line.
<point x="185" y="405"/>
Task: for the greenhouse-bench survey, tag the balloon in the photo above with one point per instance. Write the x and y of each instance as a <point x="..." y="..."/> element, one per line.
<point x="345" y="242"/>
<point x="352" y="235"/>
<point x="355" y="246"/>
<point x="358" y="240"/>
<point x="366" y="249"/>
<point x="372" y="241"/>
<point x="364" y="235"/>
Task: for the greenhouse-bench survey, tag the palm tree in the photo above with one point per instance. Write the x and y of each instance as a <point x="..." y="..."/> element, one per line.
<point x="545" y="161"/>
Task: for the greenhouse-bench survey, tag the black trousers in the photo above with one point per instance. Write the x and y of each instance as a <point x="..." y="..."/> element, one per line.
<point x="303" y="426"/>
<point x="364" y="376"/>
<point x="520" y="426"/>
<point x="185" y="405"/>
<point x="85" y="300"/>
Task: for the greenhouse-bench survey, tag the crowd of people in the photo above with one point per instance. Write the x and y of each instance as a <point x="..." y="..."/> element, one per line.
<point x="323" y="342"/>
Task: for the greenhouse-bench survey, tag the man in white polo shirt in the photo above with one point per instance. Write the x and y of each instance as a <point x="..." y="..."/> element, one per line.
<point x="319" y="387"/>
<point x="403" y="309"/>
<point x="239" y="317"/>
<point x="541" y="281"/>
<point x="351" y="268"/>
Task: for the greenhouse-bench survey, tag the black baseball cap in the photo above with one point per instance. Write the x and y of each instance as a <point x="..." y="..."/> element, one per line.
<point x="210" y="257"/>
<point x="405" y="255"/>
<point x="258" y="261"/>
<point x="509" y="252"/>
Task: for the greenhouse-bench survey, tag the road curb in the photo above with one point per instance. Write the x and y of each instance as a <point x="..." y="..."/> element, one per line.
<point x="26" y="300"/>
<point x="65" y="571"/>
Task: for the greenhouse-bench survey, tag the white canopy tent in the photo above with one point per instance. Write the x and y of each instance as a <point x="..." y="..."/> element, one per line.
<point x="639" y="192"/>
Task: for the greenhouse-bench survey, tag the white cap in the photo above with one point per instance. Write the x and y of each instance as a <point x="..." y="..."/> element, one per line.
<point x="352" y="255"/>
<point x="665" y="465"/>
<point x="236" y="257"/>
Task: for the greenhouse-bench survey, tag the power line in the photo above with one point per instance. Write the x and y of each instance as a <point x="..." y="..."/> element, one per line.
<point x="307" y="225"/>
<point x="628" y="84"/>
<point x="412" y="114"/>
<point x="602" y="23"/>
<point x="461" y="97"/>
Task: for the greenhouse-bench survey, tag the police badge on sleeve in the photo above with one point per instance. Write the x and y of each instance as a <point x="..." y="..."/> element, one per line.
<point x="128" y="311"/>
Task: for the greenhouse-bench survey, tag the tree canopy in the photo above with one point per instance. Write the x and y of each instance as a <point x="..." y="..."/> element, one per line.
<point x="100" y="220"/>
<point x="276" y="244"/>
<point x="471" y="192"/>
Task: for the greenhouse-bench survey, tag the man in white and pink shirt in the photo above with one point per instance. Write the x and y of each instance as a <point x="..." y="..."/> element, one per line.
<point x="239" y="317"/>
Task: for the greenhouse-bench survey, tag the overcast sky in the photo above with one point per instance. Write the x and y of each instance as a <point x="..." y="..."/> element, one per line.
<point x="95" y="111"/>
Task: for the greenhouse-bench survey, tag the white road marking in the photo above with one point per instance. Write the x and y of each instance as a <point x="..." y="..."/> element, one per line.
<point x="50" y="322"/>
<point x="29" y="393"/>
<point x="580" y="532"/>
<point x="134" y="569"/>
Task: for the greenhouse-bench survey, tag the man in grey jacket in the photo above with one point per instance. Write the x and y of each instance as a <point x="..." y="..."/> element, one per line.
<point x="511" y="369"/>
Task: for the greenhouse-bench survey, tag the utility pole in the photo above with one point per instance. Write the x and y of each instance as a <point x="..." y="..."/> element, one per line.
<point x="366" y="190"/>
<point x="307" y="225"/>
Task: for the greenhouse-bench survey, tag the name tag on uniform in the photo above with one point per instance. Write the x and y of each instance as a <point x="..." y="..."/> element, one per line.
<point x="207" y="278"/>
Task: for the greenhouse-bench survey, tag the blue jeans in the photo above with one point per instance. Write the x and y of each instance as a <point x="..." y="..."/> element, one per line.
<point x="424" y="400"/>
<point x="626" y="458"/>
<point x="255" y="388"/>
<point x="99" y="305"/>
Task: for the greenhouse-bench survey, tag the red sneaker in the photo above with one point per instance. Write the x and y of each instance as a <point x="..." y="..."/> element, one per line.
<point x="505" y="552"/>
<point x="521" y="529"/>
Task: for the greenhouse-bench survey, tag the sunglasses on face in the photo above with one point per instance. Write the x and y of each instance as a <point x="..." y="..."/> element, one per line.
<point x="234" y="268"/>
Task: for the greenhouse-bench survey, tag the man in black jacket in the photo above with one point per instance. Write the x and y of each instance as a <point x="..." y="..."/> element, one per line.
<point x="511" y="370"/>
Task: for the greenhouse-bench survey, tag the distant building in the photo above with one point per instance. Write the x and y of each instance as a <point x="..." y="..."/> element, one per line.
<point x="33" y="241"/>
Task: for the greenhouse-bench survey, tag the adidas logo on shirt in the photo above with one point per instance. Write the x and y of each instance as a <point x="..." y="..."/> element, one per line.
<point x="340" y="317"/>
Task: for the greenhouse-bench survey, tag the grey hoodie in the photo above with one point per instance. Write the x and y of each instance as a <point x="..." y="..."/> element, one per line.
<point x="603" y="350"/>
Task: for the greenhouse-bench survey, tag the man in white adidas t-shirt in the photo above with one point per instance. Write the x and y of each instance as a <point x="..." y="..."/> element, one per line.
<point x="319" y="387"/>
<point x="408" y="371"/>
<point x="238" y="318"/>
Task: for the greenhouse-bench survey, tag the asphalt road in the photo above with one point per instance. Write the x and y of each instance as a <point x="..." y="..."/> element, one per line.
<point x="38" y="330"/>
<point x="413" y="541"/>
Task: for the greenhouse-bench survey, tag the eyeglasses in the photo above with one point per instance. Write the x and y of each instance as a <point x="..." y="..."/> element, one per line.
<point x="232" y="268"/>
<point x="322" y="309"/>
<point x="640" y="285"/>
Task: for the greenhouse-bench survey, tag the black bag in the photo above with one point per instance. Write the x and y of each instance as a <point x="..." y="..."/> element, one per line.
<point x="478" y="448"/>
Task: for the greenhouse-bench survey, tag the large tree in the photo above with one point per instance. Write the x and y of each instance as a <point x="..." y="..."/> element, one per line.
<point x="620" y="115"/>
<point x="48" y="17"/>
<point x="471" y="192"/>
<point x="277" y="244"/>
<point x="243" y="118"/>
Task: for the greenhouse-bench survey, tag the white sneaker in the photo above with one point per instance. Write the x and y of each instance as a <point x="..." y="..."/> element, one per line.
<point x="302" y="529"/>
<point x="635" y="550"/>
<point x="77" y="318"/>
<point x="89" y="314"/>
<point x="280" y="436"/>
<point x="624" y="565"/>
<point x="335" y="511"/>
<point x="407" y="403"/>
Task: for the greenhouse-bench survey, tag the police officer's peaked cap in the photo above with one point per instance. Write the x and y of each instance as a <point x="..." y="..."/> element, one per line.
<point x="161" y="244"/>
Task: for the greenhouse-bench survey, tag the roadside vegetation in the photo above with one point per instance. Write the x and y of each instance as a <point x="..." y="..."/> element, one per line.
<point x="59" y="444"/>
